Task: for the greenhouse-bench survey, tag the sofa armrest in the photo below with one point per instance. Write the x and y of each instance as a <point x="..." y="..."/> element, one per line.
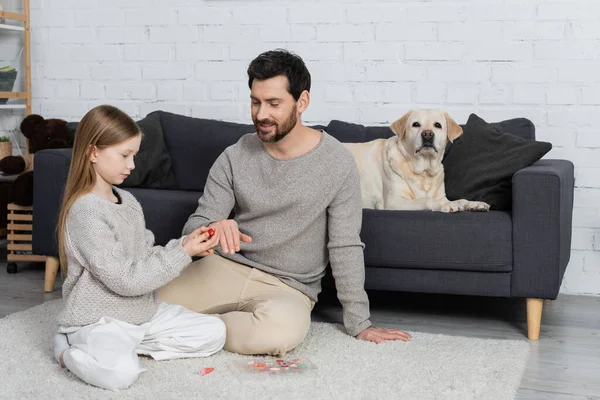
<point x="542" y="226"/>
<point x="50" y="171"/>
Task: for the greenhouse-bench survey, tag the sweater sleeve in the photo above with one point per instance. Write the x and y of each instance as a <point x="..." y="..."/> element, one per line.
<point x="94" y="244"/>
<point x="346" y="253"/>
<point x="149" y="237"/>
<point x="218" y="198"/>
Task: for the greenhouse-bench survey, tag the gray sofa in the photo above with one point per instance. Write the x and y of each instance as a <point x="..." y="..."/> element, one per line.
<point x="520" y="253"/>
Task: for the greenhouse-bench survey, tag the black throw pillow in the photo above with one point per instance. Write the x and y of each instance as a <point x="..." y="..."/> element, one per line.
<point x="482" y="161"/>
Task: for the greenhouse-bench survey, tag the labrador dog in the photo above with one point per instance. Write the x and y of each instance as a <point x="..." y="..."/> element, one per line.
<point x="405" y="172"/>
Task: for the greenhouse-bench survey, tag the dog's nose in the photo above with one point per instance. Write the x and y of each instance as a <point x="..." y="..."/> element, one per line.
<point x="427" y="135"/>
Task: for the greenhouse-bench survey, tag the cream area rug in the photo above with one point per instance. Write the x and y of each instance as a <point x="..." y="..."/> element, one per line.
<point x="431" y="366"/>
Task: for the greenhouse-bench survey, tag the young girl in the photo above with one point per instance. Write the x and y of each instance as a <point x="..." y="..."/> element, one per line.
<point x="111" y="312"/>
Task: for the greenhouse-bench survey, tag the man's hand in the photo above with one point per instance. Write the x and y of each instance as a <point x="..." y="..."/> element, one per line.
<point x="230" y="236"/>
<point x="382" y="335"/>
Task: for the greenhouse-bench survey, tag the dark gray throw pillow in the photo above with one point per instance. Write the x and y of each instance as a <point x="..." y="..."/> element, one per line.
<point x="152" y="163"/>
<point x="482" y="161"/>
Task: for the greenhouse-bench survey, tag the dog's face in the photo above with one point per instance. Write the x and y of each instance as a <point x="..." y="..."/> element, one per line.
<point x="425" y="133"/>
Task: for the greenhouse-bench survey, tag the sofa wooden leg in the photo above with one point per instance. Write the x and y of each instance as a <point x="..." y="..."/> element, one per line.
<point x="52" y="265"/>
<point x="534" y="318"/>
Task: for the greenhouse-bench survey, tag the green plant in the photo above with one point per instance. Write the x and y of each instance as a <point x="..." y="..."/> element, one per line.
<point x="4" y="139"/>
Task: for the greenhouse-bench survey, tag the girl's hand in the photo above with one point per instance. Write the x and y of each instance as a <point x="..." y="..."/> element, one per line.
<point x="201" y="242"/>
<point x="229" y="235"/>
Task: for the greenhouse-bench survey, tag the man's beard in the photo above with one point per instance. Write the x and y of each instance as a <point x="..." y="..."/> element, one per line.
<point x="281" y="131"/>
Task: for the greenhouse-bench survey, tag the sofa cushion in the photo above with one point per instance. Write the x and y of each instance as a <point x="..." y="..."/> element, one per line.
<point x="195" y="144"/>
<point x="521" y="127"/>
<point x="347" y="132"/>
<point x="465" y="241"/>
<point x="166" y="211"/>
<point x="482" y="161"/>
<point x="152" y="162"/>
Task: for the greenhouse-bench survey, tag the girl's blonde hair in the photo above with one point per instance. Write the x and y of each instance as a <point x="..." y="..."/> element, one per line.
<point x="103" y="126"/>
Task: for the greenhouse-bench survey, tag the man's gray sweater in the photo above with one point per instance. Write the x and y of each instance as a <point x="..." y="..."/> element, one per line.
<point x="301" y="214"/>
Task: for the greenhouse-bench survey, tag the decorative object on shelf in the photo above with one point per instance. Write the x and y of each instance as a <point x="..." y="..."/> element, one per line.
<point x="5" y="147"/>
<point x="41" y="134"/>
<point x="8" y="75"/>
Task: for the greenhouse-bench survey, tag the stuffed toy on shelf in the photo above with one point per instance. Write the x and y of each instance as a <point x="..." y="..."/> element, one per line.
<point x="41" y="134"/>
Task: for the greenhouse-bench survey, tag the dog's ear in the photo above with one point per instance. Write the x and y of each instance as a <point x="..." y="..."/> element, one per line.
<point x="454" y="129"/>
<point x="399" y="126"/>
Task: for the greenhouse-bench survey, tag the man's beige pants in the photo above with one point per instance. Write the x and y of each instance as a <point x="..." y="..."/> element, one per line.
<point x="262" y="314"/>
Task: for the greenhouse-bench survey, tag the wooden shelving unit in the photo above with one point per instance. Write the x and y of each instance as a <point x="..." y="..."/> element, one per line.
<point x="20" y="218"/>
<point x="20" y="226"/>
<point x="25" y="19"/>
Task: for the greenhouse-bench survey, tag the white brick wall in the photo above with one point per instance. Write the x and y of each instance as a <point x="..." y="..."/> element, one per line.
<point x="370" y="62"/>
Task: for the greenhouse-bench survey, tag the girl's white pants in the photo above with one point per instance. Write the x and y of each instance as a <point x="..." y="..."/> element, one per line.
<point x="104" y="354"/>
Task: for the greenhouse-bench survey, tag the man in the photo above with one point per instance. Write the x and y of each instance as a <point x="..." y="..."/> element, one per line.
<point x="296" y="196"/>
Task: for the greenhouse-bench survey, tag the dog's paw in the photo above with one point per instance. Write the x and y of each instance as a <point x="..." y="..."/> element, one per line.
<point x="453" y="206"/>
<point x="477" y="206"/>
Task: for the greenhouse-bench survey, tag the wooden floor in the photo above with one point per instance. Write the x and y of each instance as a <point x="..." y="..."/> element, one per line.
<point x="564" y="363"/>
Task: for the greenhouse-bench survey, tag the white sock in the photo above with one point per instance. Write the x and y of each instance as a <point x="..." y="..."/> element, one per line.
<point x="61" y="343"/>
